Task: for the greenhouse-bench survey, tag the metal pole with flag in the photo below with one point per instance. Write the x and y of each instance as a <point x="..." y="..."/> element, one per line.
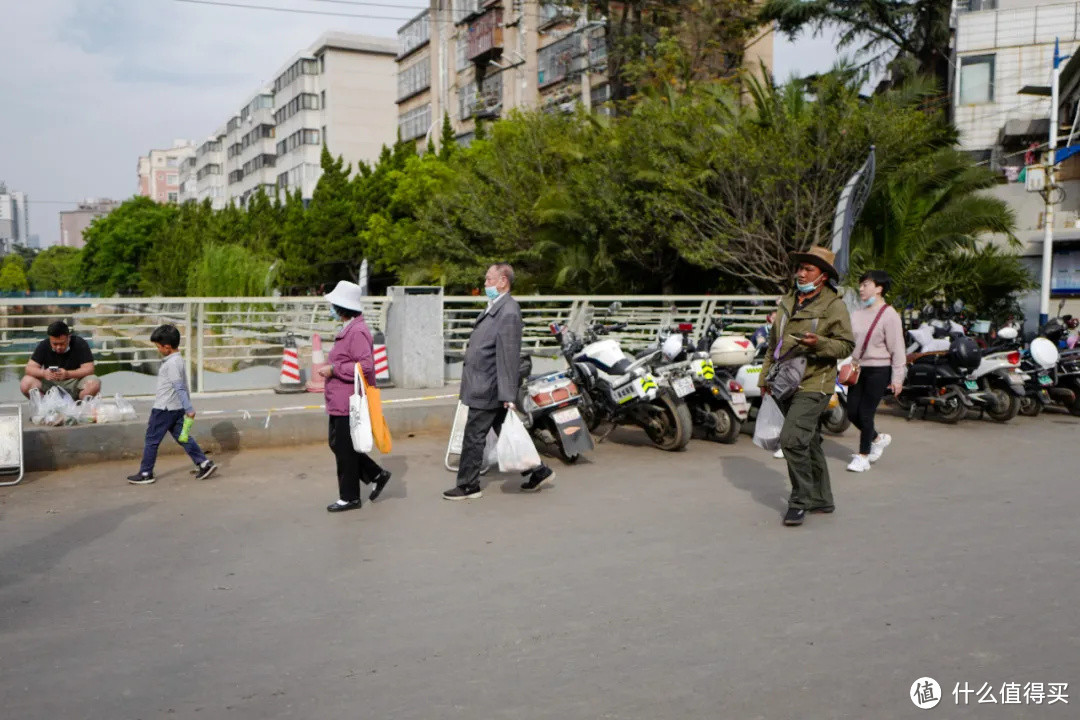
<point x="362" y="278"/>
<point x="852" y="200"/>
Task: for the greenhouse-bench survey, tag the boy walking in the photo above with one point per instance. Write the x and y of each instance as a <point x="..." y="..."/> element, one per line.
<point x="171" y="412"/>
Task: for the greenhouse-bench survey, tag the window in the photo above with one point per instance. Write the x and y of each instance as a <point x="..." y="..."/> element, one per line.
<point x="208" y="170"/>
<point x="236" y="176"/>
<point x="233" y="124"/>
<point x="325" y="141"/>
<point x="209" y="146"/>
<point x="462" y="48"/>
<point x="172" y="197"/>
<point x="977" y="79"/>
<point x="415" y="78"/>
<point x="466" y="100"/>
<point x="465" y="8"/>
<point x="258" y="163"/>
<point x="303" y="101"/>
<point x="258" y="133"/>
<point x="556" y="61"/>
<point x="171" y="179"/>
<point x="489" y="96"/>
<point x="322" y="64"/>
<point x="415" y="34"/>
<point x="304" y="66"/>
<point x="171" y="162"/>
<point x="234" y="150"/>
<point x="322" y="99"/>
<point x="597" y="49"/>
<point x="261" y="102"/>
<point x="298" y="138"/>
<point x="414" y="123"/>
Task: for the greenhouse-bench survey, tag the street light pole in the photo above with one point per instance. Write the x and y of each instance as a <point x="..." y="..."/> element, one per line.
<point x="1048" y="195"/>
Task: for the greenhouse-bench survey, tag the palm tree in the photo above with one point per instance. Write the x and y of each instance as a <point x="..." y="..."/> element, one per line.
<point x="896" y="32"/>
<point x="929" y="226"/>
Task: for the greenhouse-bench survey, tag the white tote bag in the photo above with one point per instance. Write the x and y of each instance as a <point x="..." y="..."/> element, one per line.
<point x="359" y="417"/>
<point x="515" y="447"/>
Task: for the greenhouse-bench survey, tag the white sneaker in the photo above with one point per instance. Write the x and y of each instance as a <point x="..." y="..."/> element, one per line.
<point x="779" y="454"/>
<point x="877" y="448"/>
<point x="858" y="464"/>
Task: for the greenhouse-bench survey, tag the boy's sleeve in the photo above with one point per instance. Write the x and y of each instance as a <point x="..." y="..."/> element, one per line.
<point x="179" y="383"/>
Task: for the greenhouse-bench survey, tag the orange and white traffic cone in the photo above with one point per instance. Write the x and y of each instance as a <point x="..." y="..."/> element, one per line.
<point x="289" y="380"/>
<point x="317" y="383"/>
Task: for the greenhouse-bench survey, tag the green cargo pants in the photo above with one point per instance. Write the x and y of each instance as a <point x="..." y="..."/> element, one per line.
<point x="801" y="442"/>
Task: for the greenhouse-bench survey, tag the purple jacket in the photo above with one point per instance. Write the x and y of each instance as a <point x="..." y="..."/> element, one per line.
<point x="352" y="345"/>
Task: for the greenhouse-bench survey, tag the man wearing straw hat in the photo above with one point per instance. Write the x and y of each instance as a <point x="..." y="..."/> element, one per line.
<point x="812" y="326"/>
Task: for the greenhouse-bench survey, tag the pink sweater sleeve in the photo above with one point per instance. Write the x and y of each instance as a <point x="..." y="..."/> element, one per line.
<point x="894" y="342"/>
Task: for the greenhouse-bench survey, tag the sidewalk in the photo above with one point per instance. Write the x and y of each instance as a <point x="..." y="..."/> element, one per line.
<point x="228" y="423"/>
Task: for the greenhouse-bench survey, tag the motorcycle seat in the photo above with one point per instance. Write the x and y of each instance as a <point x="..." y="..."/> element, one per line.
<point x="926" y="357"/>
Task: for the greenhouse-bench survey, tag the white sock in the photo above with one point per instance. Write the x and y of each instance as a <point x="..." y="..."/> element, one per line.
<point x="342" y="502"/>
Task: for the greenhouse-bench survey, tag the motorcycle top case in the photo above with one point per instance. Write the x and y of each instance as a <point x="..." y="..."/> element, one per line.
<point x="732" y="351"/>
<point x="553" y="389"/>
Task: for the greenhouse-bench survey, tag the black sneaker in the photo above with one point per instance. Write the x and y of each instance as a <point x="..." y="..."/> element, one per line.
<point x="469" y="492"/>
<point x="342" y="507"/>
<point x="537" y="476"/>
<point x="380" y="483"/>
<point x="140" y="479"/>
<point x="207" y="469"/>
<point x="823" y="509"/>
<point x="794" y="516"/>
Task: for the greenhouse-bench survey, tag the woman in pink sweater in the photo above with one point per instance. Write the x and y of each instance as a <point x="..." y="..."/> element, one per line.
<point x="882" y="356"/>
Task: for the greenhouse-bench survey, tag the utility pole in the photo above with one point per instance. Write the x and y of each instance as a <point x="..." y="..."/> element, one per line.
<point x="1049" y="196"/>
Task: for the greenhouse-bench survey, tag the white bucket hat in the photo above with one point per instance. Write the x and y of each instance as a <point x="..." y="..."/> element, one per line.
<point x="347" y="295"/>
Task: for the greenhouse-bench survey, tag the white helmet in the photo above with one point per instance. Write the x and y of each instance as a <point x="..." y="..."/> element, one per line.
<point x="673" y="345"/>
<point x="1007" y="333"/>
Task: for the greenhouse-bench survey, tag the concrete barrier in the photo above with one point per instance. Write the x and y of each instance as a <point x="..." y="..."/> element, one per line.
<point x="60" y="448"/>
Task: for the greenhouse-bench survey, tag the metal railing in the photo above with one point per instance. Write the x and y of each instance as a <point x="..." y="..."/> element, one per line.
<point x="644" y="315"/>
<point x="223" y="335"/>
<point x="217" y="334"/>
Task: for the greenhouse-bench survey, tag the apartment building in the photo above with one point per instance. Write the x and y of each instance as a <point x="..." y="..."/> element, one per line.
<point x="999" y="47"/>
<point x="159" y="172"/>
<point x="478" y="59"/>
<point x="14" y="219"/>
<point x="339" y="91"/>
<point x="73" y="223"/>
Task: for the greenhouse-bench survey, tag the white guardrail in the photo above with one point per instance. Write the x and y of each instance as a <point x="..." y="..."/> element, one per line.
<point x="223" y="335"/>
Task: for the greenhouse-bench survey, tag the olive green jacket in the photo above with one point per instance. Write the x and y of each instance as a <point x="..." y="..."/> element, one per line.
<point x="835" y="338"/>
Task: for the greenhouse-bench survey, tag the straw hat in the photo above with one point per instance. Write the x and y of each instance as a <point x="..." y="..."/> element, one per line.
<point x="819" y="257"/>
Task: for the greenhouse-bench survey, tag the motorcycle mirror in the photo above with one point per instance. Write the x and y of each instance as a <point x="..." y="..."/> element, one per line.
<point x="958" y="306"/>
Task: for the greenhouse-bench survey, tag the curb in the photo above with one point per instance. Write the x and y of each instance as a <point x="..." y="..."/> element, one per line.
<point x="62" y="448"/>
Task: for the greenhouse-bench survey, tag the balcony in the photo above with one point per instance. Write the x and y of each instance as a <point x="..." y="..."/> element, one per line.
<point x="485" y="36"/>
<point x="489" y="98"/>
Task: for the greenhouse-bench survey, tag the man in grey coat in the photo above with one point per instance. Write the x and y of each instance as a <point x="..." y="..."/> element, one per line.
<point x="489" y="381"/>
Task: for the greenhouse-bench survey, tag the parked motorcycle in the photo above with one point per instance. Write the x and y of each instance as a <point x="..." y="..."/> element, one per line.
<point x="937" y="379"/>
<point x="717" y="403"/>
<point x="1039" y="362"/>
<point x="618" y="390"/>
<point x="551" y="403"/>
<point x="996" y="385"/>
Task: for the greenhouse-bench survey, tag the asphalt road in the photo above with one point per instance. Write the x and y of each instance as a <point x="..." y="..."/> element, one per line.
<point x="638" y="584"/>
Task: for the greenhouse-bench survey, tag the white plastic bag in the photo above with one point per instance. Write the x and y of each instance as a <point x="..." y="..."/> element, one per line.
<point x="515" y="447"/>
<point x="770" y="421"/>
<point x="359" y="417"/>
<point x="125" y="409"/>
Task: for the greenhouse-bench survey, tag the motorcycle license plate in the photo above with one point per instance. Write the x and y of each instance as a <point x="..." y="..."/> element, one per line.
<point x="682" y="386"/>
<point x="566" y="415"/>
<point x="1046" y="380"/>
<point x="971" y="385"/>
<point x="738" y="398"/>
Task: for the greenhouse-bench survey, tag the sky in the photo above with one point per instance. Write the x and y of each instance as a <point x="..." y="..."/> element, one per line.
<point x="91" y="85"/>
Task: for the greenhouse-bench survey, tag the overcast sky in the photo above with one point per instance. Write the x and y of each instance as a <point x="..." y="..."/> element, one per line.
<point x="89" y="85"/>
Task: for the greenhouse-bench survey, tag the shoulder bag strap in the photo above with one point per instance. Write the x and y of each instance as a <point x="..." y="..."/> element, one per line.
<point x="356" y="380"/>
<point x="870" y="332"/>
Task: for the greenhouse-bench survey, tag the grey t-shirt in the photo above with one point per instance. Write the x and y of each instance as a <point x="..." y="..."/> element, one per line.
<point x="172" y="388"/>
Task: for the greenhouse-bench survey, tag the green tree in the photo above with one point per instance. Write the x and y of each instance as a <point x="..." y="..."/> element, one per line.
<point x="168" y="262"/>
<point x="118" y="244"/>
<point x="13" y="274"/>
<point x="928" y="224"/>
<point x="231" y="271"/>
<point x="447" y="140"/>
<point x="56" y="268"/>
<point x="913" y="35"/>
<point x="335" y="253"/>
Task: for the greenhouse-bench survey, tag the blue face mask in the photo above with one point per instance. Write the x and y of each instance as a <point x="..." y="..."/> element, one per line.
<point x="869" y="301"/>
<point x="491" y="292"/>
<point x="805" y="288"/>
